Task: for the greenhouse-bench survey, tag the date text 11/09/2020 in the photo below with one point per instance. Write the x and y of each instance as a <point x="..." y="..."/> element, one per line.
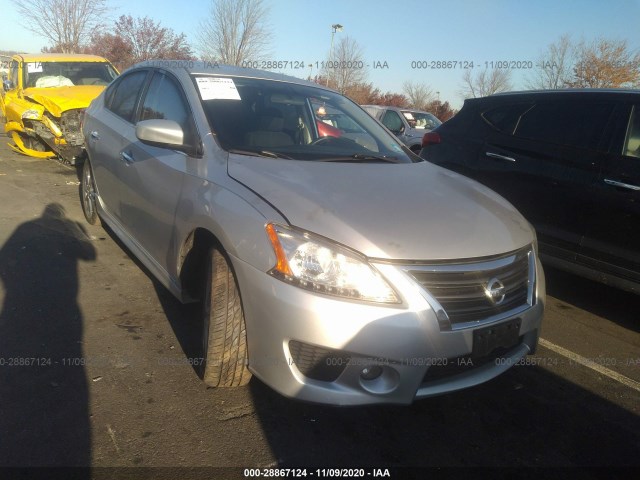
<point x="318" y="472"/>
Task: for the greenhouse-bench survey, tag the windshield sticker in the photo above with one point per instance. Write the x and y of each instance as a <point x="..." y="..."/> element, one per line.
<point x="408" y="115"/>
<point x="215" y="88"/>
<point x="34" y="67"/>
<point x="396" y="147"/>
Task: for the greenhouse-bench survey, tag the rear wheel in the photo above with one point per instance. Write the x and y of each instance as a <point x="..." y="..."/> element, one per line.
<point x="88" y="194"/>
<point x="224" y="338"/>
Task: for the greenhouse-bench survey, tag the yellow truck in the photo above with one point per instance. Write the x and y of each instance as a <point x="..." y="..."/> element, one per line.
<point x="44" y="97"/>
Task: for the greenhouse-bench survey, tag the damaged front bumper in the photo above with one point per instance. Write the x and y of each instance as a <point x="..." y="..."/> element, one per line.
<point x="42" y="136"/>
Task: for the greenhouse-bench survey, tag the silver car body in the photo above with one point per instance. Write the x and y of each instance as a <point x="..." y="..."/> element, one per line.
<point x="414" y="223"/>
<point x="408" y="131"/>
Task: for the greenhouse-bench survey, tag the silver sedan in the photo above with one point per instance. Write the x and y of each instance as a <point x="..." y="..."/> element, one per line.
<point x="336" y="268"/>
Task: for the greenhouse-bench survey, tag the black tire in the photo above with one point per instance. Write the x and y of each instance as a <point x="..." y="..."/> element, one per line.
<point x="88" y="194"/>
<point x="224" y="337"/>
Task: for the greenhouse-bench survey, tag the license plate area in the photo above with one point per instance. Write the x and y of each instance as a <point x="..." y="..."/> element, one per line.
<point x="503" y="335"/>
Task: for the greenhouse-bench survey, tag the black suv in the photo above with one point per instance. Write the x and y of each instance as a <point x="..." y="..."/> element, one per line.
<point x="569" y="160"/>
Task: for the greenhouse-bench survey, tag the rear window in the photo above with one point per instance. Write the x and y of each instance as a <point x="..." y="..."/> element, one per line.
<point x="506" y="117"/>
<point x="573" y="123"/>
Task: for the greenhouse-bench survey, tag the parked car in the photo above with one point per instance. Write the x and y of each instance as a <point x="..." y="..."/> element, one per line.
<point x="569" y="161"/>
<point x="43" y="100"/>
<point x="333" y="123"/>
<point x="335" y="272"/>
<point x="406" y="124"/>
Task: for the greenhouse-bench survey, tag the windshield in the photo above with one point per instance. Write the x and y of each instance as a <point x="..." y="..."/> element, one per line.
<point x="421" y="120"/>
<point x="60" y="74"/>
<point x="293" y="121"/>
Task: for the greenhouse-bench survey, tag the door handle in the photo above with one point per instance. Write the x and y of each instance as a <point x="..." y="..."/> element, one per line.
<point x="500" y="157"/>
<point x="126" y="157"/>
<point x="95" y="135"/>
<point x="626" y="186"/>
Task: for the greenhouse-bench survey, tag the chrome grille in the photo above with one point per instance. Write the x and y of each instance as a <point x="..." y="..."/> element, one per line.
<point x="462" y="290"/>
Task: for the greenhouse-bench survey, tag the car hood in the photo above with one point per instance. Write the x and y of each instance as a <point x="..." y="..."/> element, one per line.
<point x="416" y="132"/>
<point x="60" y="99"/>
<point x="390" y="211"/>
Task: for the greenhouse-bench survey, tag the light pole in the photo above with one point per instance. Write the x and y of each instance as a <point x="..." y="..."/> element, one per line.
<point x="336" y="27"/>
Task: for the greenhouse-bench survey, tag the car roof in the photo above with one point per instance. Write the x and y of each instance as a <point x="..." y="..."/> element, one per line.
<point x="570" y="91"/>
<point x="59" y="57"/>
<point x="193" y="67"/>
<point x="397" y="109"/>
<point x="552" y="95"/>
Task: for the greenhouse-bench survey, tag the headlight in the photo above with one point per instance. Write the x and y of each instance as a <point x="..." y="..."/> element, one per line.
<point x="314" y="263"/>
<point x="535" y="239"/>
<point x="31" y="114"/>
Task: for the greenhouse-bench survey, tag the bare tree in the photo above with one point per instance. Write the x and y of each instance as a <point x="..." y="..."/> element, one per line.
<point x="67" y="24"/>
<point x="486" y="82"/>
<point x="148" y="39"/>
<point x="234" y="32"/>
<point x="606" y="64"/>
<point x="554" y="66"/>
<point x="134" y="40"/>
<point x="419" y="95"/>
<point x="346" y="67"/>
<point x="441" y="110"/>
<point x="393" y="100"/>
<point x="112" y="47"/>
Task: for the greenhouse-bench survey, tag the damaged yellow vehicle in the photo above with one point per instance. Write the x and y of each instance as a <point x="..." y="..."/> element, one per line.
<point x="43" y="100"/>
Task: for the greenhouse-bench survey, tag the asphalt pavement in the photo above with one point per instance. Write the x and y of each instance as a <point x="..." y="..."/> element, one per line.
<point x="94" y="372"/>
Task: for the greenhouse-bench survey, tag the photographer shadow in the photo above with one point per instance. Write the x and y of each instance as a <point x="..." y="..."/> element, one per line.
<point x="44" y="418"/>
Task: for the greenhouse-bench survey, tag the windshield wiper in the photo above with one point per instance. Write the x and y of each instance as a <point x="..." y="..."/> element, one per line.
<point x="361" y="157"/>
<point x="259" y="153"/>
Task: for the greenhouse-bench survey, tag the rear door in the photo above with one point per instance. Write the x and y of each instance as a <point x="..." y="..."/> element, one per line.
<point x="544" y="157"/>
<point x="612" y="241"/>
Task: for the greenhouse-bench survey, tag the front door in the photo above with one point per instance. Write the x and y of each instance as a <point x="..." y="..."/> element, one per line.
<point x="612" y="241"/>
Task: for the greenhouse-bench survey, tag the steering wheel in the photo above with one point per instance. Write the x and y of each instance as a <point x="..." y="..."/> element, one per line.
<point x="347" y="142"/>
<point x="320" y="140"/>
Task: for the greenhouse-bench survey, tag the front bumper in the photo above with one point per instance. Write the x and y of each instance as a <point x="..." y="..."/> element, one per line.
<point x="48" y="137"/>
<point x="294" y="335"/>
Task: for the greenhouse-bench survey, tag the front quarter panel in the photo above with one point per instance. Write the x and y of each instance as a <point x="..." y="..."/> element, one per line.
<point x="229" y="211"/>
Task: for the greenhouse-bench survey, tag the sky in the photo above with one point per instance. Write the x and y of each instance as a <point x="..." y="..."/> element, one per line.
<point x="404" y="35"/>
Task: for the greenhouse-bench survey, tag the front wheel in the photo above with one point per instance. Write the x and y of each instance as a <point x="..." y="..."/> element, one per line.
<point x="88" y="194"/>
<point x="224" y="337"/>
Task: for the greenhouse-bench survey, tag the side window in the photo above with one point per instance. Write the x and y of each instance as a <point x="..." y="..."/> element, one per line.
<point x="572" y="123"/>
<point x="164" y="100"/>
<point x="13" y="74"/>
<point x="392" y="121"/>
<point x="632" y="143"/>
<point x="122" y="101"/>
<point x="505" y="117"/>
<point x="108" y="94"/>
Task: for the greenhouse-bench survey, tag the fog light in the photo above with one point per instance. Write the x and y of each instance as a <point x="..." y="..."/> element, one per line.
<point x="371" y="373"/>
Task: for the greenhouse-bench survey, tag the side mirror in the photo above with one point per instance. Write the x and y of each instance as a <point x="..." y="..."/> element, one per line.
<point x="165" y="134"/>
<point x="160" y="133"/>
